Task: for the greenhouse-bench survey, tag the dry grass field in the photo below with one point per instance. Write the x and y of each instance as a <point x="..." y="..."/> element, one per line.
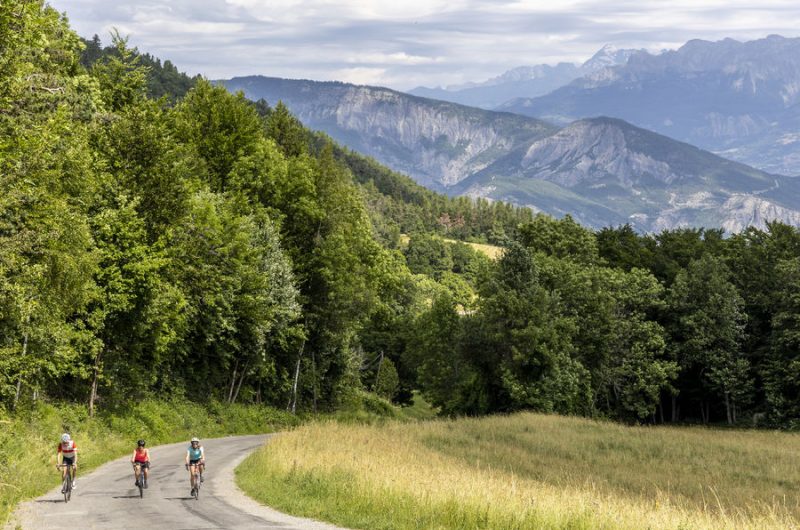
<point x="529" y="471"/>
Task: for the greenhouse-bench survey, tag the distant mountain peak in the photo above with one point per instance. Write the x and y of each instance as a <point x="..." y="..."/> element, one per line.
<point x="609" y="55"/>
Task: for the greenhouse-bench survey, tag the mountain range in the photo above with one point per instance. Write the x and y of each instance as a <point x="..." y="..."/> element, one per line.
<point x="738" y="99"/>
<point x="602" y="171"/>
<point x="525" y="81"/>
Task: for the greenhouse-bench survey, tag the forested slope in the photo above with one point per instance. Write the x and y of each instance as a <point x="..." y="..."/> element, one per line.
<point x="203" y="245"/>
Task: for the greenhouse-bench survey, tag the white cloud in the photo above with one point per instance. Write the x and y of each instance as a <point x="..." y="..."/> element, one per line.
<point x="361" y="76"/>
<point x="392" y="58"/>
<point x="403" y="44"/>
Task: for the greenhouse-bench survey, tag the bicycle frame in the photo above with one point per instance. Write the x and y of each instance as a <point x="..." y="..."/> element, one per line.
<point x="66" y="480"/>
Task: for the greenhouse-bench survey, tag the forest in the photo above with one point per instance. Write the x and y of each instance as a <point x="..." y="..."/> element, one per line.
<point x="160" y="236"/>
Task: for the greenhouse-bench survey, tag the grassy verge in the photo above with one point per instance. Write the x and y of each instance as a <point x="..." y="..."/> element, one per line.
<point x="28" y="441"/>
<point x="529" y="471"/>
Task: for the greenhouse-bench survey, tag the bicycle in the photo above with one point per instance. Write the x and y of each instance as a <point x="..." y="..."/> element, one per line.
<point x="196" y="480"/>
<point x="141" y="481"/>
<point x="66" y="484"/>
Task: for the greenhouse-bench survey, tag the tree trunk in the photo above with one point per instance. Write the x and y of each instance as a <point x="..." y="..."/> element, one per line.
<point x="95" y="377"/>
<point x="661" y="411"/>
<point x="733" y="408"/>
<point x="241" y="380"/>
<point x="674" y="409"/>
<point x="377" y="374"/>
<point x="703" y="412"/>
<point x="292" y="405"/>
<point x="233" y="381"/>
<point x="19" y="380"/>
<point x="728" y="408"/>
<point x="19" y="390"/>
<point x="314" y="378"/>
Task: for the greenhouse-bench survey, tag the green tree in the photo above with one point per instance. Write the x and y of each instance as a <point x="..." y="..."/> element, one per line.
<point x="527" y="341"/>
<point x="562" y="238"/>
<point x="220" y="127"/>
<point x="707" y="330"/>
<point x="781" y="371"/>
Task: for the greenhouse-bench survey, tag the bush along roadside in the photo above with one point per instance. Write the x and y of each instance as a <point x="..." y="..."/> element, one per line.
<point x="29" y="438"/>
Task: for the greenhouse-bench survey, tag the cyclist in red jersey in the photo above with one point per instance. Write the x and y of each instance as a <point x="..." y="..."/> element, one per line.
<point x="141" y="461"/>
<point x="67" y="455"/>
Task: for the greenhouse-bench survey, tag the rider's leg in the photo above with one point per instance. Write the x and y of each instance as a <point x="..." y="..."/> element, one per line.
<point x="74" y="474"/>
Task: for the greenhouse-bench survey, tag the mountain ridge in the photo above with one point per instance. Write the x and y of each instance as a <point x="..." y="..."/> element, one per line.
<point x="740" y="99"/>
<point x="601" y="171"/>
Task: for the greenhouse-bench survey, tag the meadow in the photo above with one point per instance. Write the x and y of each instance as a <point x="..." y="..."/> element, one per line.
<point x="529" y="471"/>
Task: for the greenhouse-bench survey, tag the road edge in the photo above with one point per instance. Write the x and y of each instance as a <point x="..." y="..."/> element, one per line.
<point x="232" y="494"/>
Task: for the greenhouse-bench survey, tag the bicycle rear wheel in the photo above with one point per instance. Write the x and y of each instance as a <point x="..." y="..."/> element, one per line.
<point x="67" y="485"/>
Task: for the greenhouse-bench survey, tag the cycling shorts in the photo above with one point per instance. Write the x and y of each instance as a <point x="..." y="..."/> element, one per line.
<point x="67" y="461"/>
<point x="143" y="464"/>
<point x="194" y="462"/>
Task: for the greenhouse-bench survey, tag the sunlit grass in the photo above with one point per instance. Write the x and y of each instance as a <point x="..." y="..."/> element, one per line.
<point x="529" y="471"/>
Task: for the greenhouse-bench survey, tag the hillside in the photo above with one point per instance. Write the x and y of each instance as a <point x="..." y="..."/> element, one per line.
<point x="602" y="172"/>
<point x="605" y="171"/>
<point x="437" y="143"/>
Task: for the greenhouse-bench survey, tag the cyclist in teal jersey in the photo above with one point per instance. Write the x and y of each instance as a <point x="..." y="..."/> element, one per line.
<point x="195" y="456"/>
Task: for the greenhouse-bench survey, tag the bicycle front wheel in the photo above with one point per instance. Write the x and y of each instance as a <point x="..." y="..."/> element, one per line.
<point x="66" y="486"/>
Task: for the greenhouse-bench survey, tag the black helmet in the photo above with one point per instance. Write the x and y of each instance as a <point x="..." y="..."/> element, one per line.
<point x="140" y="443"/>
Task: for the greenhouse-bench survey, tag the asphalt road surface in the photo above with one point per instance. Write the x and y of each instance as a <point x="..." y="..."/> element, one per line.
<point x="107" y="498"/>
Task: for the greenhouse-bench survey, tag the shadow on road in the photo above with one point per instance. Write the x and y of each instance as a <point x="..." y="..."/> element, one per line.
<point x="125" y="496"/>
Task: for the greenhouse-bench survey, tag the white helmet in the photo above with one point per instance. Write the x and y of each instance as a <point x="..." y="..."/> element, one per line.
<point x="65" y="438"/>
<point x="196" y="439"/>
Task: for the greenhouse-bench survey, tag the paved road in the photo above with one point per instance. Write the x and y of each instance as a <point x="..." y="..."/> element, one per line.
<point x="107" y="498"/>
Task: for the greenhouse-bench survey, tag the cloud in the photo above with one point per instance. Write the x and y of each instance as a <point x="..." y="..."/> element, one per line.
<point x="413" y="42"/>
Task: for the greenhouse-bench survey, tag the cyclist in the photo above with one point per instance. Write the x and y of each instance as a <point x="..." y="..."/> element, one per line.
<point x="195" y="457"/>
<point x="141" y="462"/>
<point x="67" y="455"/>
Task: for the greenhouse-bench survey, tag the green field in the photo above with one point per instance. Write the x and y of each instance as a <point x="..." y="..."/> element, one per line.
<point x="492" y="251"/>
<point x="529" y="471"/>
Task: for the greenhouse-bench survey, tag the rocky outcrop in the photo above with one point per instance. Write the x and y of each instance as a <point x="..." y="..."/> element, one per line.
<point x="602" y="171"/>
<point x="437" y="143"/>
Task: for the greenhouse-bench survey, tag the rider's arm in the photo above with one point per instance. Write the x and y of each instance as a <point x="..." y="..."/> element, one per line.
<point x="187" y="457"/>
<point x="59" y="456"/>
<point x="202" y="454"/>
<point x="147" y="455"/>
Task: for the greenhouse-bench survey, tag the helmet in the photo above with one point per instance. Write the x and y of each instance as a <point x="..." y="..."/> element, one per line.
<point x="140" y="443"/>
<point x="195" y="439"/>
<point x="65" y="437"/>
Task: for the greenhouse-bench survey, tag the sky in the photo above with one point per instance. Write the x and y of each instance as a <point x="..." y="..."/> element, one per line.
<point x="407" y="43"/>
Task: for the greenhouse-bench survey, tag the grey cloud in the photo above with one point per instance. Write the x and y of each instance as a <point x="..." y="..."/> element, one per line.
<point x="479" y="40"/>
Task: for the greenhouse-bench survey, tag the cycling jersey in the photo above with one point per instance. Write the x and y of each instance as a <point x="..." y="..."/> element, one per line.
<point x="140" y="456"/>
<point x="195" y="454"/>
<point x="68" y="449"/>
